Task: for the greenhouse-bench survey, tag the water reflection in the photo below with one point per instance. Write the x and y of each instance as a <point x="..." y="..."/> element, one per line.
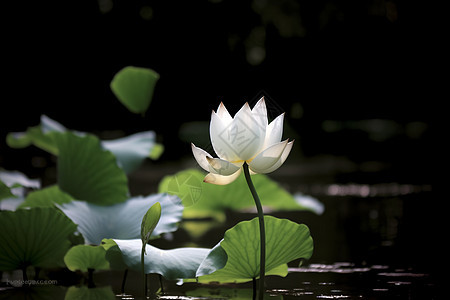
<point x="365" y="190"/>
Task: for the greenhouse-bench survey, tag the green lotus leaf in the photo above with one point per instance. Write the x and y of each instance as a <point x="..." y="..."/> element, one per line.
<point x="88" y="172"/>
<point x="17" y="180"/>
<point x="33" y="136"/>
<point x="5" y="191"/>
<point x="46" y="197"/>
<point x="84" y="257"/>
<point x="113" y="255"/>
<point x="122" y="220"/>
<point x="13" y="187"/>
<point x="172" y="264"/>
<point x="285" y="242"/>
<point x="37" y="237"/>
<point x="85" y="293"/>
<point x="134" y="87"/>
<point x="130" y="151"/>
<point x="209" y="200"/>
<point x="149" y="222"/>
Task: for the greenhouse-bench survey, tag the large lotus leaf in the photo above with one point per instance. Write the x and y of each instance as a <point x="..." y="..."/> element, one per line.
<point x="134" y="87"/>
<point x="85" y="293"/>
<point x="85" y="257"/>
<point x="46" y="197"/>
<point x="130" y="151"/>
<point x="285" y="242"/>
<point x="209" y="200"/>
<point x="88" y="172"/>
<point x="123" y="220"/>
<point x="172" y="264"/>
<point x="36" y="236"/>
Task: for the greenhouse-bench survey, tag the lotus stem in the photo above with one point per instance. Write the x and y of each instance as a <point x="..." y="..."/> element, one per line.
<point x="124" y="279"/>
<point x="262" y="232"/>
<point x="161" y="283"/>
<point x="143" y="272"/>
<point x="24" y="274"/>
<point x="91" y="283"/>
<point x="254" y="288"/>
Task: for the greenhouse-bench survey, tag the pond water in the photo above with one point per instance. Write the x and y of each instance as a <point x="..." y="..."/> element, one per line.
<point x="342" y="280"/>
<point x="372" y="241"/>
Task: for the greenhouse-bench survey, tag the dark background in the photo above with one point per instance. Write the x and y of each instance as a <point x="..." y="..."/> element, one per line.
<point x="353" y="76"/>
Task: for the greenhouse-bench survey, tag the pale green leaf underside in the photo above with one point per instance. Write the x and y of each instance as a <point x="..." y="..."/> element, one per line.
<point x="122" y="220"/>
<point x="172" y="264"/>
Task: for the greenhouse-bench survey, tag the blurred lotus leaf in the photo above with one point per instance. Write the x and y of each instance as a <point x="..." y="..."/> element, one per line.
<point x="13" y="185"/>
<point x="134" y="87"/>
<point x="46" y="197"/>
<point x="34" y="237"/>
<point x="207" y="200"/>
<point x="130" y="151"/>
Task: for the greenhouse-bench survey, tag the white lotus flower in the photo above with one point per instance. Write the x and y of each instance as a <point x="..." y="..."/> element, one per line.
<point x="246" y="138"/>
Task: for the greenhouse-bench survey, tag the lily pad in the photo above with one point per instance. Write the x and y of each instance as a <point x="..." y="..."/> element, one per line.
<point x="209" y="200"/>
<point x="134" y="87"/>
<point x="37" y="237"/>
<point x="88" y="172"/>
<point x="84" y="257"/>
<point x="285" y="242"/>
<point x="172" y="264"/>
<point x="123" y="220"/>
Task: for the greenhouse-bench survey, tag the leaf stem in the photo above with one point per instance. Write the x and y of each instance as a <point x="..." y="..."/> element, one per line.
<point x="143" y="272"/>
<point x="262" y="231"/>
<point x="124" y="279"/>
